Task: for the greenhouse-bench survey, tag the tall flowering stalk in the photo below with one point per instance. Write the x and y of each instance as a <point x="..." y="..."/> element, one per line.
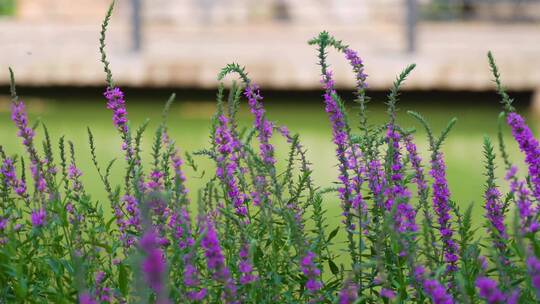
<point x="311" y="271"/>
<point x="10" y="178"/>
<point x="180" y="223"/>
<point x="26" y="133"/>
<point x="215" y="262"/>
<point x="529" y="146"/>
<point x="397" y="195"/>
<point x="441" y="205"/>
<point x="154" y="265"/>
<point x="226" y="165"/>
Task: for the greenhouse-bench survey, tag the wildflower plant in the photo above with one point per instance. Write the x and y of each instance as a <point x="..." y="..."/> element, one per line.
<point x="257" y="232"/>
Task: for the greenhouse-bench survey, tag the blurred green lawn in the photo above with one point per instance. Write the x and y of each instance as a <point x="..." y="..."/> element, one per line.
<point x="189" y="121"/>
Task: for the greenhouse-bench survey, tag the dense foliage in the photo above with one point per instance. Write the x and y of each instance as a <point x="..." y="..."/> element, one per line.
<point x="258" y="234"/>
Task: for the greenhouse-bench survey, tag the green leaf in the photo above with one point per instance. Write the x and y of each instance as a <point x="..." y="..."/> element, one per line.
<point x="332" y="234"/>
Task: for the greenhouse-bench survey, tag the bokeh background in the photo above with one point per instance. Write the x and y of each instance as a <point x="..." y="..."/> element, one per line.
<point x="158" y="47"/>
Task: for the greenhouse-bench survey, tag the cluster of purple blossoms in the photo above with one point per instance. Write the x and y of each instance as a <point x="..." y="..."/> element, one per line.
<point x="495" y="214"/>
<point x="489" y="291"/>
<point x="376" y="180"/>
<point x="227" y="167"/>
<point x="133" y="221"/>
<point x="350" y="191"/>
<point x="416" y="163"/>
<point x="533" y="267"/>
<point x="177" y="162"/>
<point x="38" y="218"/>
<point x="245" y="267"/>
<point x="86" y="298"/>
<point x="358" y="67"/>
<point x="435" y="290"/>
<point x="153" y="265"/>
<point x="180" y="223"/>
<point x="387" y="293"/>
<point x="102" y="293"/>
<point x="155" y="183"/>
<point x="349" y="293"/>
<point x="405" y="215"/>
<point x="522" y="196"/>
<point x="441" y="196"/>
<point x="117" y="103"/>
<point x="20" y="118"/>
<point x="264" y="127"/>
<point x="529" y="146"/>
<point x="310" y="270"/>
<point x="10" y="177"/>
<point x="216" y="262"/>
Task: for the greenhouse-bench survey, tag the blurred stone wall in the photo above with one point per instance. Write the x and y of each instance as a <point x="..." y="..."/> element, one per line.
<point x="216" y="12"/>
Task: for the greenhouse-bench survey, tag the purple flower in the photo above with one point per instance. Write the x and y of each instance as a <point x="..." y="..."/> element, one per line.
<point x="441" y="196"/>
<point x="358" y="67"/>
<point x="102" y="292"/>
<point x="437" y="292"/>
<point x="533" y="267"/>
<point x="388" y="293"/>
<point x="350" y="189"/>
<point x="177" y="162"/>
<point x="495" y="215"/>
<point x="310" y="270"/>
<point x="397" y="195"/>
<point x="85" y="298"/>
<point x="262" y="125"/>
<point x="245" y="267"/>
<point x="153" y="265"/>
<point x="227" y="167"/>
<point x="117" y="103"/>
<point x="529" y="146"/>
<point x="38" y="218"/>
<point x="10" y="177"/>
<point x="488" y="290"/>
<point x="523" y="201"/>
<point x="349" y="293"/>
<point x="20" y="118"/>
<point x="3" y="224"/>
<point x="215" y="262"/>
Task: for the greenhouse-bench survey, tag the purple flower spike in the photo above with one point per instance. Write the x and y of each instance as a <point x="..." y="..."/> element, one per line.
<point x="388" y="293"/>
<point x="38" y="218"/>
<point x="216" y="262"/>
<point x="529" y="146"/>
<point x="349" y="293"/>
<point x="85" y="298"/>
<point x="416" y="162"/>
<point x="358" y="67"/>
<point x="117" y="103"/>
<point x="10" y="178"/>
<point x="397" y="193"/>
<point x="26" y="133"/>
<point x="437" y="292"/>
<point x="494" y="213"/>
<point x="227" y="167"/>
<point x="154" y="265"/>
<point x="264" y="127"/>
<point x="20" y="118"/>
<point x="245" y="267"/>
<point x="533" y="267"/>
<point x="441" y="196"/>
<point x="310" y="270"/>
<point x="350" y="189"/>
<point x="488" y="290"/>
